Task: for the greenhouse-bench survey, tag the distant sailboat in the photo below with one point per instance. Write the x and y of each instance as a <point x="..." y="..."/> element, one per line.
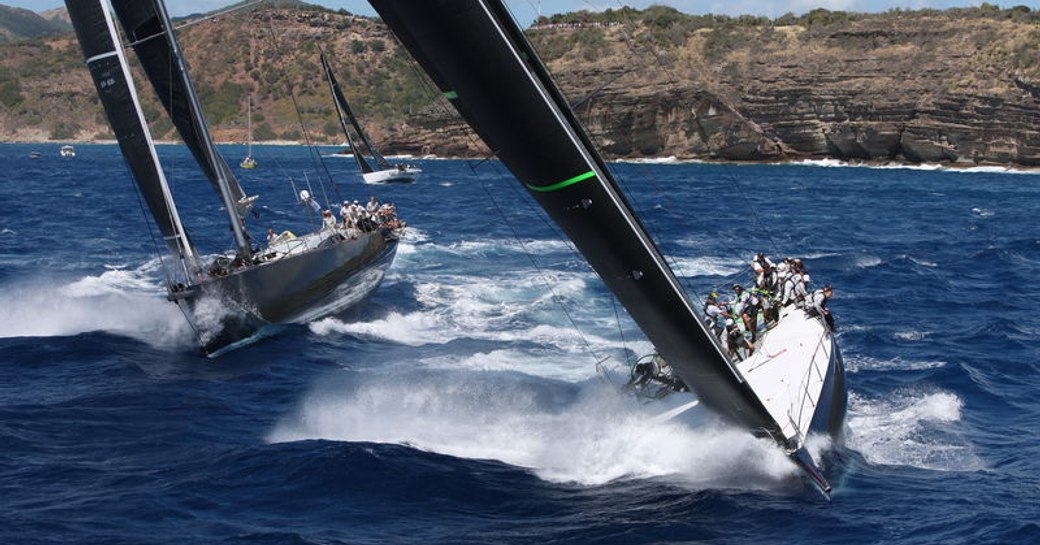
<point x="67" y="151"/>
<point x="249" y="161"/>
<point x="386" y="173"/>
<point x="794" y="384"/>
<point x="235" y="297"/>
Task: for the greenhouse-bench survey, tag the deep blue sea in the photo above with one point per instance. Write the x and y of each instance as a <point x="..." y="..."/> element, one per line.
<point x="474" y="398"/>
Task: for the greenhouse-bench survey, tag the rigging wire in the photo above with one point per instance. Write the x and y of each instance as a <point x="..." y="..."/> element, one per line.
<point x="315" y="155"/>
<point x="542" y="274"/>
<point x="155" y="245"/>
<point x="218" y="14"/>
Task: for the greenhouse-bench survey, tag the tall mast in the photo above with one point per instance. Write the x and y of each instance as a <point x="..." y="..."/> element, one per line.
<point x="230" y="203"/>
<point x="150" y="33"/>
<point x="483" y="64"/>
<point x="249" y="124"/>
<point x="99" y="40"/>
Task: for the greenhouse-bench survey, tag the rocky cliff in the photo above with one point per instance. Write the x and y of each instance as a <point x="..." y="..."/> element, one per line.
<point x="956" y="86"/>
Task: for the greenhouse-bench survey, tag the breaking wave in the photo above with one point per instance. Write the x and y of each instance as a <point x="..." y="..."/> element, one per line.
<point x="912" y="428"/>
<point x="122" y="301"/>
<point x="585" y="433"/>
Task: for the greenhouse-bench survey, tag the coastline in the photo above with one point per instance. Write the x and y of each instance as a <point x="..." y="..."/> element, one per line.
<point x="821" y="162"/>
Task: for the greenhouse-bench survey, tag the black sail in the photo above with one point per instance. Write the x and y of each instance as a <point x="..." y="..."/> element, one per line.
<point x="344" y="108"/>
<point x="484" y="65"/>
<point x="154" y="45"/>
<point x="346" y="116"/>
<point x="117" y="98"/>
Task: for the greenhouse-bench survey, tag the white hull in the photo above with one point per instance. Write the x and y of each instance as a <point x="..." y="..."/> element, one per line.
<point x="789" y="373"/>
<point x="392" y="176"/>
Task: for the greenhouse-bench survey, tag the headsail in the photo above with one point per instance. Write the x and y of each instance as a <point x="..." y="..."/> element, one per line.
<point x="346" y="115"/>
<point x="148" y="28"/>
<point x="108" y="68"/>
<point x="484" y="65"/>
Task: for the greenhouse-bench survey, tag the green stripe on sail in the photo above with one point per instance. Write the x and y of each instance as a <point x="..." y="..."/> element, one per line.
<point x="450" y="95"/>
<point x="563" y="184"/>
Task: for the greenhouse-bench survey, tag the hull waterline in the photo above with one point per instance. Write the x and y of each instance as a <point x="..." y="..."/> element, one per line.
<point x="243" y="307"/>
<point x="392" y="176"/>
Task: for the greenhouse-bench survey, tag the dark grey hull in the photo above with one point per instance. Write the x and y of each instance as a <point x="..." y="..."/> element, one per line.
<point x="235" y="310"/>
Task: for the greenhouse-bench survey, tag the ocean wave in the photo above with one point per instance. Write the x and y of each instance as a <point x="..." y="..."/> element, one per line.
<point x="857" y="364"/>
<point x="118" y="301"/>
<point x="912" y="428"/>
<point x="586" y="434"/>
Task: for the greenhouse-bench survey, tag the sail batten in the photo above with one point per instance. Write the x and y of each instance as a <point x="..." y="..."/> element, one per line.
<point x="482" y="63"/>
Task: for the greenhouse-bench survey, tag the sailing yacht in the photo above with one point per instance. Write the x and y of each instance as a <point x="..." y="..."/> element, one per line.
<point x="795" y="385"/>
<point x="386" y="172"/>
<point x="238" y="296"/>
<point x="249" y="161"/>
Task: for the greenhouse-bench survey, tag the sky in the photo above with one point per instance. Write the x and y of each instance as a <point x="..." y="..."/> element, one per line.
<point x="525" y="11"/>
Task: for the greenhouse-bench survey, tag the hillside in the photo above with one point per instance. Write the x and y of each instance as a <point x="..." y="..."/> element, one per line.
<point x="19" y="24"/>
<point x="961" y="85"/>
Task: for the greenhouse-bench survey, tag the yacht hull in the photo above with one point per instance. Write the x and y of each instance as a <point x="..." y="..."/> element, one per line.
<point x="829" y="417"/>
<point x="237" y="309"/>
<point x="392" y="176"/>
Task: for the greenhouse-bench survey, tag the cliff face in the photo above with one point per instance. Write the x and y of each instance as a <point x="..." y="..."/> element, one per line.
<point x="938" y="87"/>
<point x="961" y="86"/>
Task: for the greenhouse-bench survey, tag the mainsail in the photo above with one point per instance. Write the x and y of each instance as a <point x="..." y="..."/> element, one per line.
<point x="346" y="115"/>
<point x="297" y="278"/>
<point x="150" y="33"/>
<point x="108" y="68"/>
<point x="483" y="64"/>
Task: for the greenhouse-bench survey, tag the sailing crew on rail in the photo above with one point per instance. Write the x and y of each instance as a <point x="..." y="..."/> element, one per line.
<point x="344" y="212"/>
<point x="735" y="342"/>
<point x="765" y="272"/>
<point x="746" y="305"/>
<point x="783" y="270"/>
<point x="328" y="221"/>
<point x="793" y="288"/>
<point x="716" y="315"/>
<point x="816" y="305"/>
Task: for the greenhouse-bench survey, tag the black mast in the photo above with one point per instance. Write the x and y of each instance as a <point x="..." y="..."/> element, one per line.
<point x="483" y="64"/>
<point x="148" y="28"/>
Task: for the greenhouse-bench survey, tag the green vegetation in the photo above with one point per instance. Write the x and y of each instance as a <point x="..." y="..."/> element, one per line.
<point x="273" y="56"/>
<point x="264" y="132"/>
<point x="222" y="104"/>
<point x="10" y="89"/>
<point x="63" y="130"/>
